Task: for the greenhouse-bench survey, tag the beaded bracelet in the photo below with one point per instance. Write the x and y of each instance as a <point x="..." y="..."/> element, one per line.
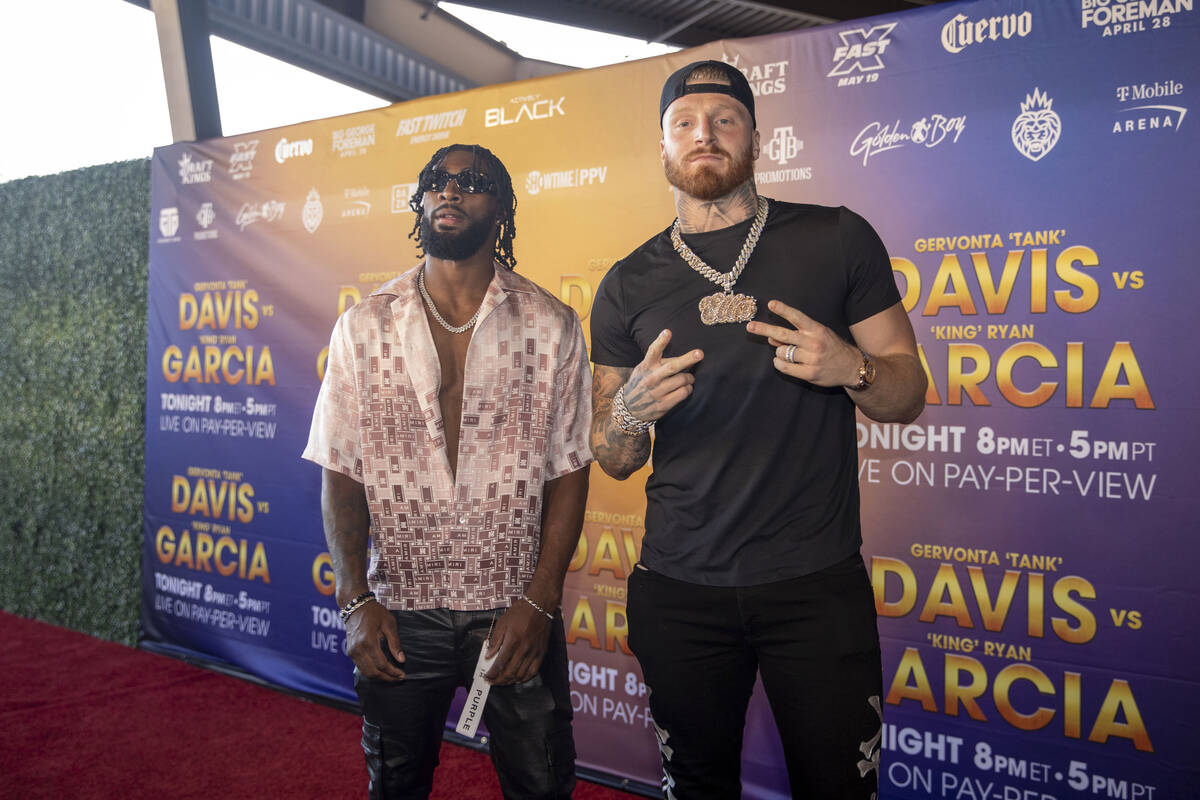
<point x="355" y="605"/>
<point x="536" y="607"/>
<point x="625" y="420"/>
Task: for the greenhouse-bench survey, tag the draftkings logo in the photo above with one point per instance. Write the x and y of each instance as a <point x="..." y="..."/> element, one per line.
<point x="962" y="32"/>
<point x="537" y="182"/>
<point x="401" y="194"/>
<point x="928" y="131"/>
<point x="1119" y="17"/>
<point x="1143" y="116"/>
<point x="194" y="171"/>
<point x="527" y="108"/>
<point x="205" y="218"/>
<point x="168" y="224"/>
<point x="859" y="58"/>
<point x="241" y="161"/>
<point x="313" y="211"/>
<point x="766" y="78"/>
<point x="1038" y="127"/>
<point x="350" y="142"/>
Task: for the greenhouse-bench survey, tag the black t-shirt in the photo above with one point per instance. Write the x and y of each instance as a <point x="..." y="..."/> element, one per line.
<point x="755" y="474"/>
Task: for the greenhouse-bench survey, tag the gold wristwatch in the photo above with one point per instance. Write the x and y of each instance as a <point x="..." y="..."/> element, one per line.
<point x="866" y="374"/>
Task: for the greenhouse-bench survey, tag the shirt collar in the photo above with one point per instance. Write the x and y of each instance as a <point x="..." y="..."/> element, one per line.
<point x="405" y="285"/>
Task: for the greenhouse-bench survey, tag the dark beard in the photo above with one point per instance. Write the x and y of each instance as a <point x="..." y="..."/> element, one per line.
<point x="455" y="246"/>
<point x="706" y="183"/>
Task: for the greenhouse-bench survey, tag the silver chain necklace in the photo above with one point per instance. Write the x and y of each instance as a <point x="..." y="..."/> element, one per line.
<point x="725" y="306"/>
<point x="437" y="315"/>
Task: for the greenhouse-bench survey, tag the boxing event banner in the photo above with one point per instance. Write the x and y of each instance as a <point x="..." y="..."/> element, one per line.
<point x="1032" y="169"/>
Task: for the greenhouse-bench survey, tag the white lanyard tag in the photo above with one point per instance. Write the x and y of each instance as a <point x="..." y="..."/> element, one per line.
<point x="477" y="695"/>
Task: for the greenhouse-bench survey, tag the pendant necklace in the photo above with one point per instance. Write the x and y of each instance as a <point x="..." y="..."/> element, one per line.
<point x="725" y="306"/>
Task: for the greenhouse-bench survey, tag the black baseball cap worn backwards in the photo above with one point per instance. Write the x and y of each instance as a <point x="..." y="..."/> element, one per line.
<point x="677" y="86"/>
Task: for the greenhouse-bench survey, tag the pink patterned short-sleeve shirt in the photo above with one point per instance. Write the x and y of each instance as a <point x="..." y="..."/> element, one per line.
<point x="467" y="542"/>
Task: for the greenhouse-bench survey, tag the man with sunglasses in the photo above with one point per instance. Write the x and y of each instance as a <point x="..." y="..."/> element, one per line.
<point x="452" y="427"/>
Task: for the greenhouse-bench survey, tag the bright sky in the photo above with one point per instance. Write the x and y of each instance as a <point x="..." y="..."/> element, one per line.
<point x="83" y="80"/>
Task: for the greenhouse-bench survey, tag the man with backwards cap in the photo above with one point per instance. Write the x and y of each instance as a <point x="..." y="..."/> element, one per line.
<point x="746" y="334"/>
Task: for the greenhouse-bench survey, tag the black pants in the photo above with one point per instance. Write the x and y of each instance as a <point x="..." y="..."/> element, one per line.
<point x="814" y="640"/>
<point x="532" y="746"/>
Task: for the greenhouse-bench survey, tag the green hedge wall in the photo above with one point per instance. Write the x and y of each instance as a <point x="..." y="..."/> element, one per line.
<point x="73" y="274"/>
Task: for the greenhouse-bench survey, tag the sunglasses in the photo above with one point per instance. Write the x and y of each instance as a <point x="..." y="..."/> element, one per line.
<point x="468" y="181"/>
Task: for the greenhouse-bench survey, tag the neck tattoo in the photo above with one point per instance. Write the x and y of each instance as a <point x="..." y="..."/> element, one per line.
<point x="437" y="315"/>
<point x="725" y="306"/>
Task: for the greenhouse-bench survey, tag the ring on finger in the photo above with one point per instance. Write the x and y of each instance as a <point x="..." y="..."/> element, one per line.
<point x="787" y="354"/>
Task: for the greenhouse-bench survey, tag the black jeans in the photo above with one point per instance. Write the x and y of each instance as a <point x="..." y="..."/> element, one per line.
<point x="814" y="640"/>
<point x="532" y="746"/>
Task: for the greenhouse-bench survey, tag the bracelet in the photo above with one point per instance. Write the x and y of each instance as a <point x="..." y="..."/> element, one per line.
<point x="538" y="608"/>
<point x="355" y="605"/>
<point x="625" y="420"/>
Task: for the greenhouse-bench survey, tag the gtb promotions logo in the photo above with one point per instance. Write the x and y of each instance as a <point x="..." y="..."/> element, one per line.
<point x="250" y="213"/>
<point x="241" y="161"/>
<point x="781" y="149"/>
<point x="168" y="224"/>
<point x="928" y="131"/>
<point x="768" y="78"/>
<point x="1118" y="17"/>
<point x="285" y="149"/>
<point x="204" y="218"/>
<point x="528" y="107"/>
<point x="401" y="194"/>
<point x="313" y="212"/>
<point x="1036" y="129"/>
<point x="194" y="171"/>
<point x="860" y="52"/>
<point x="536" y="182"/>
<point x="1146" y="117"/>
<point x="431" y="127"/>
<point x="355" y="202"/>
<point x="960" y="32"/>
<point x="350" y="142"/>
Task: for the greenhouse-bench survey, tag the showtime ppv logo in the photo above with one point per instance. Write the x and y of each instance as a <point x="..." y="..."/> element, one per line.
<point x="961" y="32"/>
<point x="285" y="149"/>
<point x="536" y="182"/>
<point x="529" y="108"/>
<point x="860" y="52"/>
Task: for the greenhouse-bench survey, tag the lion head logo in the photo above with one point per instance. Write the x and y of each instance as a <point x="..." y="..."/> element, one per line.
<point x="1036" y="129"/>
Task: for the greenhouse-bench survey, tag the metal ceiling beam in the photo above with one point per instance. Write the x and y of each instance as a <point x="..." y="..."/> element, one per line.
<point x="311" y="36"/>
<point x="187" y="69"/>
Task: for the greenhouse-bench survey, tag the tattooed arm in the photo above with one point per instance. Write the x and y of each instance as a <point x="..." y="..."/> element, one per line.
<point x="652" y="388"/>
<point x="347" y="527"/>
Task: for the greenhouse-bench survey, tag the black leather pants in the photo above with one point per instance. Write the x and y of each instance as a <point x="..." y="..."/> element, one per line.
<point x="532" y="746"/>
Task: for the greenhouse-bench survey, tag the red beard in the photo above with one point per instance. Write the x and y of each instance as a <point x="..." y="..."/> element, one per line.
<point x="709" y="181"/>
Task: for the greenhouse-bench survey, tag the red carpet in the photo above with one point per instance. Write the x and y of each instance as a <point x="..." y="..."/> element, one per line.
<point x="92" y="720"/>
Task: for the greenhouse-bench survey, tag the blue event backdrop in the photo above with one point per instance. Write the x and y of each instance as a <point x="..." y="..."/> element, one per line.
<point x="1032" y="169"/>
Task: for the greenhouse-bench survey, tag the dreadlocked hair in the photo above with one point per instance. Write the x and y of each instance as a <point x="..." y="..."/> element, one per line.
<point x="506" y="199"/>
